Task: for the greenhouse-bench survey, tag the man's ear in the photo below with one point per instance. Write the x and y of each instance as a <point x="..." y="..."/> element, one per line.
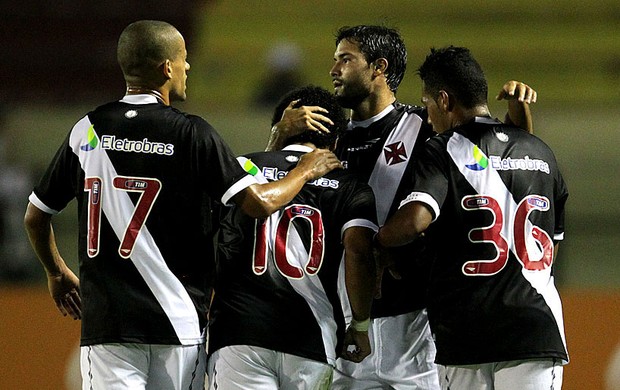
<point x="380" y="65"/>
<point x="445" y="101"/>
<point x="166" y="69"/>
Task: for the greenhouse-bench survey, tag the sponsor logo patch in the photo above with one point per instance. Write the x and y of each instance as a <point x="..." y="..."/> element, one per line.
<point x="481" y="161"/>
<point x="92" y="140"/>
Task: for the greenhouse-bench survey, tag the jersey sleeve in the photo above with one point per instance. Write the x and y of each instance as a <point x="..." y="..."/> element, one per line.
<point x="360" y="209"/>
<point x="429" y="181"/>
<point x="58" y="185"/>
<point x="219" y="169"/>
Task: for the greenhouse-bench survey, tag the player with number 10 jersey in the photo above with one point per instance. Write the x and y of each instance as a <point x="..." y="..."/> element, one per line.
<point x="276" y="284"/>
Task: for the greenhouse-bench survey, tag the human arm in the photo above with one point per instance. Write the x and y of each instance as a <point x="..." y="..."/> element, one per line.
<point x="63" y="284"/>
<point x="519" y="96"/>
<point x="407" y="224"/>
<point x="295" y="121"/>
<point x="261" y="200"/>
<point x="359" y="280"/>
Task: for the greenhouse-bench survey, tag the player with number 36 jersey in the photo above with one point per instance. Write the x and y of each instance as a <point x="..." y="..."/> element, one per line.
<point x="491" y="199"/>
<point x="492" y="297"/>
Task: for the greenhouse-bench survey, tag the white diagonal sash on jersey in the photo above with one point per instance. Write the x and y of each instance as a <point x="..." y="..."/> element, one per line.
<point x="309" y="286"/>
<point x="488" y="182"/>
<point x="385" y="178"/>
<point x="118" y="208"/>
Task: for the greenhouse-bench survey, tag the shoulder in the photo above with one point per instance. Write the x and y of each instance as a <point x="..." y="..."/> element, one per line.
<point x="410" y="109"/>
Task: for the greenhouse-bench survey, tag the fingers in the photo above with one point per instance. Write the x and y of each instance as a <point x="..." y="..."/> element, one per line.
<point x="292" y="104"/>
<point x="70" y="304"/>
<point x="307" y="117"/>
<point x="518" y="91"/>
<point x="315" y="122"/>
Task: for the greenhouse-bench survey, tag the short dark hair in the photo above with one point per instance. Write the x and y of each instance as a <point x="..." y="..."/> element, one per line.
<point x="314" y="96"/>
<point x="454" y="70"/>
<point x="379" y="42"/>
<point x="144" y="45"/>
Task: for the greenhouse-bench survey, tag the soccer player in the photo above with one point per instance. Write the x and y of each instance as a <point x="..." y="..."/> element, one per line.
<point x="491" y="199"/>
<point x="381" y="145"/>
<point x="276" y="321"/>
<point x="144" y="175"/>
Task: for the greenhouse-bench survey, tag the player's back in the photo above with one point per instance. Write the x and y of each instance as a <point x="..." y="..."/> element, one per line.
<point x="503" y="206"/>
<point x="142" y="173"/>
<point x="277" y="278"/>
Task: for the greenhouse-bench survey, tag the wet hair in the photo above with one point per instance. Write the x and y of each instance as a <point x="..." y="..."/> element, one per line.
<point x="314" y="96"/>
<point x="454" y="70"/>
<point x="379" y="42"/>
<point x="144" y="45"/>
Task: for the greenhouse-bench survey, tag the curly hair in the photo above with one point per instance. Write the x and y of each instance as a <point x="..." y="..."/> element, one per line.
<point x="314" y="96"/>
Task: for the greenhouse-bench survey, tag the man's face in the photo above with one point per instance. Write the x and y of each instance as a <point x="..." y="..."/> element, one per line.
<point x="351" y="75"/>
<point x="436" y="116"/>
<point x="180" y="67"/>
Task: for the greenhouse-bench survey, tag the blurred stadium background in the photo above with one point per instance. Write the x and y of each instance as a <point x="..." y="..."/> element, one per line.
<point x="60" y="62"/>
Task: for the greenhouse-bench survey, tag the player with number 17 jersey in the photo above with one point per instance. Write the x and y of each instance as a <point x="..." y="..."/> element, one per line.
<point x="497" y="195"/>
<point x="144" y="175"/>
<point x="276" y="285"/>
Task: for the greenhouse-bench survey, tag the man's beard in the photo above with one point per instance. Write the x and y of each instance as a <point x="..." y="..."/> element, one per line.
<point x="352" y="99"/>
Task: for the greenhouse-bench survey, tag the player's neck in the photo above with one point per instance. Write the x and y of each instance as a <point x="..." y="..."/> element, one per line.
<point x="466" y="115"/>
<point x="372" y="105"/>
<point x="138" y="90"/>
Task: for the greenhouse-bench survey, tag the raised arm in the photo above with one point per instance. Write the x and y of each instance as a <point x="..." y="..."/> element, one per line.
<point x="261" y="200"/>
<point x="295" y="121"/>
<point x="63" y="285"/>
<point x="359" y="279"/>
<point x="519" y="96"/>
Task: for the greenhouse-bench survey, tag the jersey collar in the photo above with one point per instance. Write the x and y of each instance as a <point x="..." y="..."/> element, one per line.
<point x="139" y="99"/>
<point x="370" y="121"/>
<point x="297" y="148"/>
<point x="486" y="119"/>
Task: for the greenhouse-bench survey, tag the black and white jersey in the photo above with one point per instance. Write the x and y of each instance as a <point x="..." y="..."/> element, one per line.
<point x="276" y="284"/>
<point x="498" y="200"/>
<point x="144" y="175"/>
<point x="382" y="151"/>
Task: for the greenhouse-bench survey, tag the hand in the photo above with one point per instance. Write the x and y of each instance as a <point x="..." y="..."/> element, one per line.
<point x="297" y="120"/>
<point x="356" y="346"/>
<point x="516" y="90"/>
<point x="65" y="291"/>
<point x="318" y="162"/>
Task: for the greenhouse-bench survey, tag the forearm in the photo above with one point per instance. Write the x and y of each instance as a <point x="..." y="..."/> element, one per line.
<point x="262" y="200"/>
<point x="404" y="226"/>
<point x="360" y="271"/>
<point x="41" y="235"/>
<point x="519" y="115"/>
